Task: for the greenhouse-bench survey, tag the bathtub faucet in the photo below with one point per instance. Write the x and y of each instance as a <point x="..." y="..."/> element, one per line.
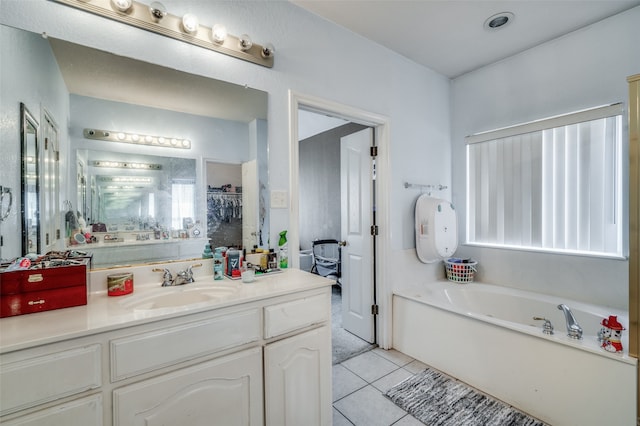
<point x="573" y="328"/>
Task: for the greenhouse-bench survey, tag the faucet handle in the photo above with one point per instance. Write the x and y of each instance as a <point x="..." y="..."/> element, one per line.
<point x="547" y="327"/>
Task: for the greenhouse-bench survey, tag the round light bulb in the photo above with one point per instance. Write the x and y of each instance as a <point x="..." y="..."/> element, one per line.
<point x="245" y="42"/>
<point x="161" y="140"/>
<point x="267" y="50"/>
<point x="122" y="5"/>
<point x="157" y="10"/>
<point x="121" y="136"/>
<point x="186" y="143"/>
<point x="219" y="33"/>
<point x="148" y="139"/>
<point x="174" y="142"/>
<point x="190" y="23"/>
<point x="135" y="138"/>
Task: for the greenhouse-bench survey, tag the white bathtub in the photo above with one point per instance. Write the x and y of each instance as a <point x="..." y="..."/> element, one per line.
<point x="485" y="335"/>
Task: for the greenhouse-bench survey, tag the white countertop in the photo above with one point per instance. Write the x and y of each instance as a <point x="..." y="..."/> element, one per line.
<point x="104" y="313"/>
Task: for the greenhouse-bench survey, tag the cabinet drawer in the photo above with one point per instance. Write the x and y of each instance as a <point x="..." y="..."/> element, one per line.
<point x="289" y="316"/>
<point x="148" y="351"/>
<point x="41" y="379"/>
<point x="81" y="412"/>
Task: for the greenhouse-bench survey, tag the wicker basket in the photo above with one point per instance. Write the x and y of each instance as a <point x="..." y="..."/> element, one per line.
<point x="460" y="272"/>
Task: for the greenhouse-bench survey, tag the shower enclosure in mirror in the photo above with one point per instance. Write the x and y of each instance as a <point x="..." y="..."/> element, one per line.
<point x="86" y="88"/>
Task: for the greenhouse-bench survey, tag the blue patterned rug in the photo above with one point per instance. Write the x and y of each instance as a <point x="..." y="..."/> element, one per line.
<point x="438" y="400"/>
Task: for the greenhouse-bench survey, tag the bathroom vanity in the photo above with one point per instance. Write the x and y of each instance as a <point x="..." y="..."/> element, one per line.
<point x="209" y="352"/>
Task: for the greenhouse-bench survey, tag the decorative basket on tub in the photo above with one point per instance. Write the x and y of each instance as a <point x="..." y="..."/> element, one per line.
<point x="459" y="270"/>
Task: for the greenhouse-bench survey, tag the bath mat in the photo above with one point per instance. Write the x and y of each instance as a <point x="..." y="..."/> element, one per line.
<point x="438" y="400"/>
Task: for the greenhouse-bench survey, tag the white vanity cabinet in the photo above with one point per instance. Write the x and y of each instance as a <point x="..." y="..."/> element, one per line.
<point x="224" y="391"/>
<point x="263" y="360"/>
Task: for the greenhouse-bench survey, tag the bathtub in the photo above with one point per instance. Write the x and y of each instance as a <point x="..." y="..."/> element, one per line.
<point x="485" y="335"/>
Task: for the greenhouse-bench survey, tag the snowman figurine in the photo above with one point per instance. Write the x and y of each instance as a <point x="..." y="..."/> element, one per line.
<point x="611" y="333"/>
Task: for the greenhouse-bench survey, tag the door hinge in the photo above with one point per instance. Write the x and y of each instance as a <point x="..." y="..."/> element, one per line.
<point x="374" y="310"/>
<point x="57" y="155"/>
<point x="374" y="151"/>
<point x="374" y="229"/>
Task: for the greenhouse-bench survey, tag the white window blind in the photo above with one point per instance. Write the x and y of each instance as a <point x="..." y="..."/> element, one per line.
<point x="551" y="185"/>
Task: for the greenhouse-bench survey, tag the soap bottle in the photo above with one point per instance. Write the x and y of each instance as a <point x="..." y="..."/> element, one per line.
<point x="218" y="272"/>
<point x="282" y="245"/>
<point x="207" y="253"/>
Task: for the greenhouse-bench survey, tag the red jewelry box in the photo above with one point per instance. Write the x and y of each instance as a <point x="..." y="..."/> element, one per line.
<point x="45" y="289"/>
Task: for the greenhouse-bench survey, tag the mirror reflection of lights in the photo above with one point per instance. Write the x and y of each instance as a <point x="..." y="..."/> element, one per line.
<point x="127" y="165"/>
<point x="137" y="138"/>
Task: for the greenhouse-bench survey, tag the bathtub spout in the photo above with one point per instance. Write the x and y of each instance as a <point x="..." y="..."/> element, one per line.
<point x="573" y="328"/>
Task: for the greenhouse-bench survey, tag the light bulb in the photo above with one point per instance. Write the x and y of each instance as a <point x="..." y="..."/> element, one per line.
<point x="122" y="5"/>
<point x="245" y="42"/>
<point x="267" y="50"/>
<point x="174" y="142"/>
<point x="135" y="138"/>
<point x="219" y="33"/>
<point x="190" y="23"/>
<point x="161" y="140"/>
<point x="157" y="10"/>
<point x="121" y="136"/>
<point x="148" y="139"/>
<point x="186" y="143"/>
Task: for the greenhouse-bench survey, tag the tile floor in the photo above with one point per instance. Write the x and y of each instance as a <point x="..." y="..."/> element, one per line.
<point x="359" y="384"/>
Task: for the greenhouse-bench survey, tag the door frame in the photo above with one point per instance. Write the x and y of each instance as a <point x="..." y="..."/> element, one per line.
<point x="380" y="124"/>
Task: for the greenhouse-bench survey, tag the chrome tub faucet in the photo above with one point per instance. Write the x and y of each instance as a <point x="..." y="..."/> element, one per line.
<point x="574" y="330"/>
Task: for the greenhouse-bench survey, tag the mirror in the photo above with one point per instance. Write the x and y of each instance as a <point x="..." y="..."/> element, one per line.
<point x="30" y="183"/>
<point x="225" y="123"/>
<point x="122" y="199"/>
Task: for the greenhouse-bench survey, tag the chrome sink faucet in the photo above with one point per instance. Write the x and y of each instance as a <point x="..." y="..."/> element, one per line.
<point x="573" y="328"/>
<point x="182" y="277"/>
<point x="167" y="278"/>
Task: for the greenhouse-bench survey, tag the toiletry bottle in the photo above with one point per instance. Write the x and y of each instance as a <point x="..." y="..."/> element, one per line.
<point x="282" y="245"/>
<point x="218" y="272"/>
<point x="207" y="253"/>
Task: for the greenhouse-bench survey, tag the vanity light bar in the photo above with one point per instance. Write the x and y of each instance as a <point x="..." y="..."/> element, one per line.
<point x="154" y="18"/>
<point x="126" y="165"/>
<point x="136" y="138"/>
<point x="124" y="179"/>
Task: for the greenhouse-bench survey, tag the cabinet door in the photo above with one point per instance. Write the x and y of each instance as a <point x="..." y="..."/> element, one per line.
<point x="298" y="379"/>
<point x="226" y="391"/>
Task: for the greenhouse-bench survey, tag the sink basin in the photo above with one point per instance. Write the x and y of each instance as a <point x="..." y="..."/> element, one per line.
<point x="176" y="297"/>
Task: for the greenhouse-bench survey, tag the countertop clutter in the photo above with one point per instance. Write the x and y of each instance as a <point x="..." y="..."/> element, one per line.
<point x="148" y="303"/>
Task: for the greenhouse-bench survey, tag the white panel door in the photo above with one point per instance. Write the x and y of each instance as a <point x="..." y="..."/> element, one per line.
<point x="356" y="181"/>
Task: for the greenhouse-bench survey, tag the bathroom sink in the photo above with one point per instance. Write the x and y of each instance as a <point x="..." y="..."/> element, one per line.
<point x="177" y="297"/>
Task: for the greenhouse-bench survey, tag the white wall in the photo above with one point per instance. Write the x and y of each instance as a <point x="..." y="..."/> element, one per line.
<point x="584" y="69"/>
<point x="313" y="57"/>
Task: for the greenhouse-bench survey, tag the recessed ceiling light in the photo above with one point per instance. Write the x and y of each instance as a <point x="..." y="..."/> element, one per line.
<point x="499" y="20"/>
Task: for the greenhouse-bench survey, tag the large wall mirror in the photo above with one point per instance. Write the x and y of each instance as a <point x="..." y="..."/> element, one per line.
<point x="112" y="210"/>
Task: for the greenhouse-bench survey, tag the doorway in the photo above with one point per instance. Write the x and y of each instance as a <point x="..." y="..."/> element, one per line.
<point x="378" y="127"/>
<point x="336" y="165"/>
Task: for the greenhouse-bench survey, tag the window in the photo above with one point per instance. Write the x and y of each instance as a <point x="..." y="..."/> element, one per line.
<point x="182" y="202"/>
<point x="552" y="185"/>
